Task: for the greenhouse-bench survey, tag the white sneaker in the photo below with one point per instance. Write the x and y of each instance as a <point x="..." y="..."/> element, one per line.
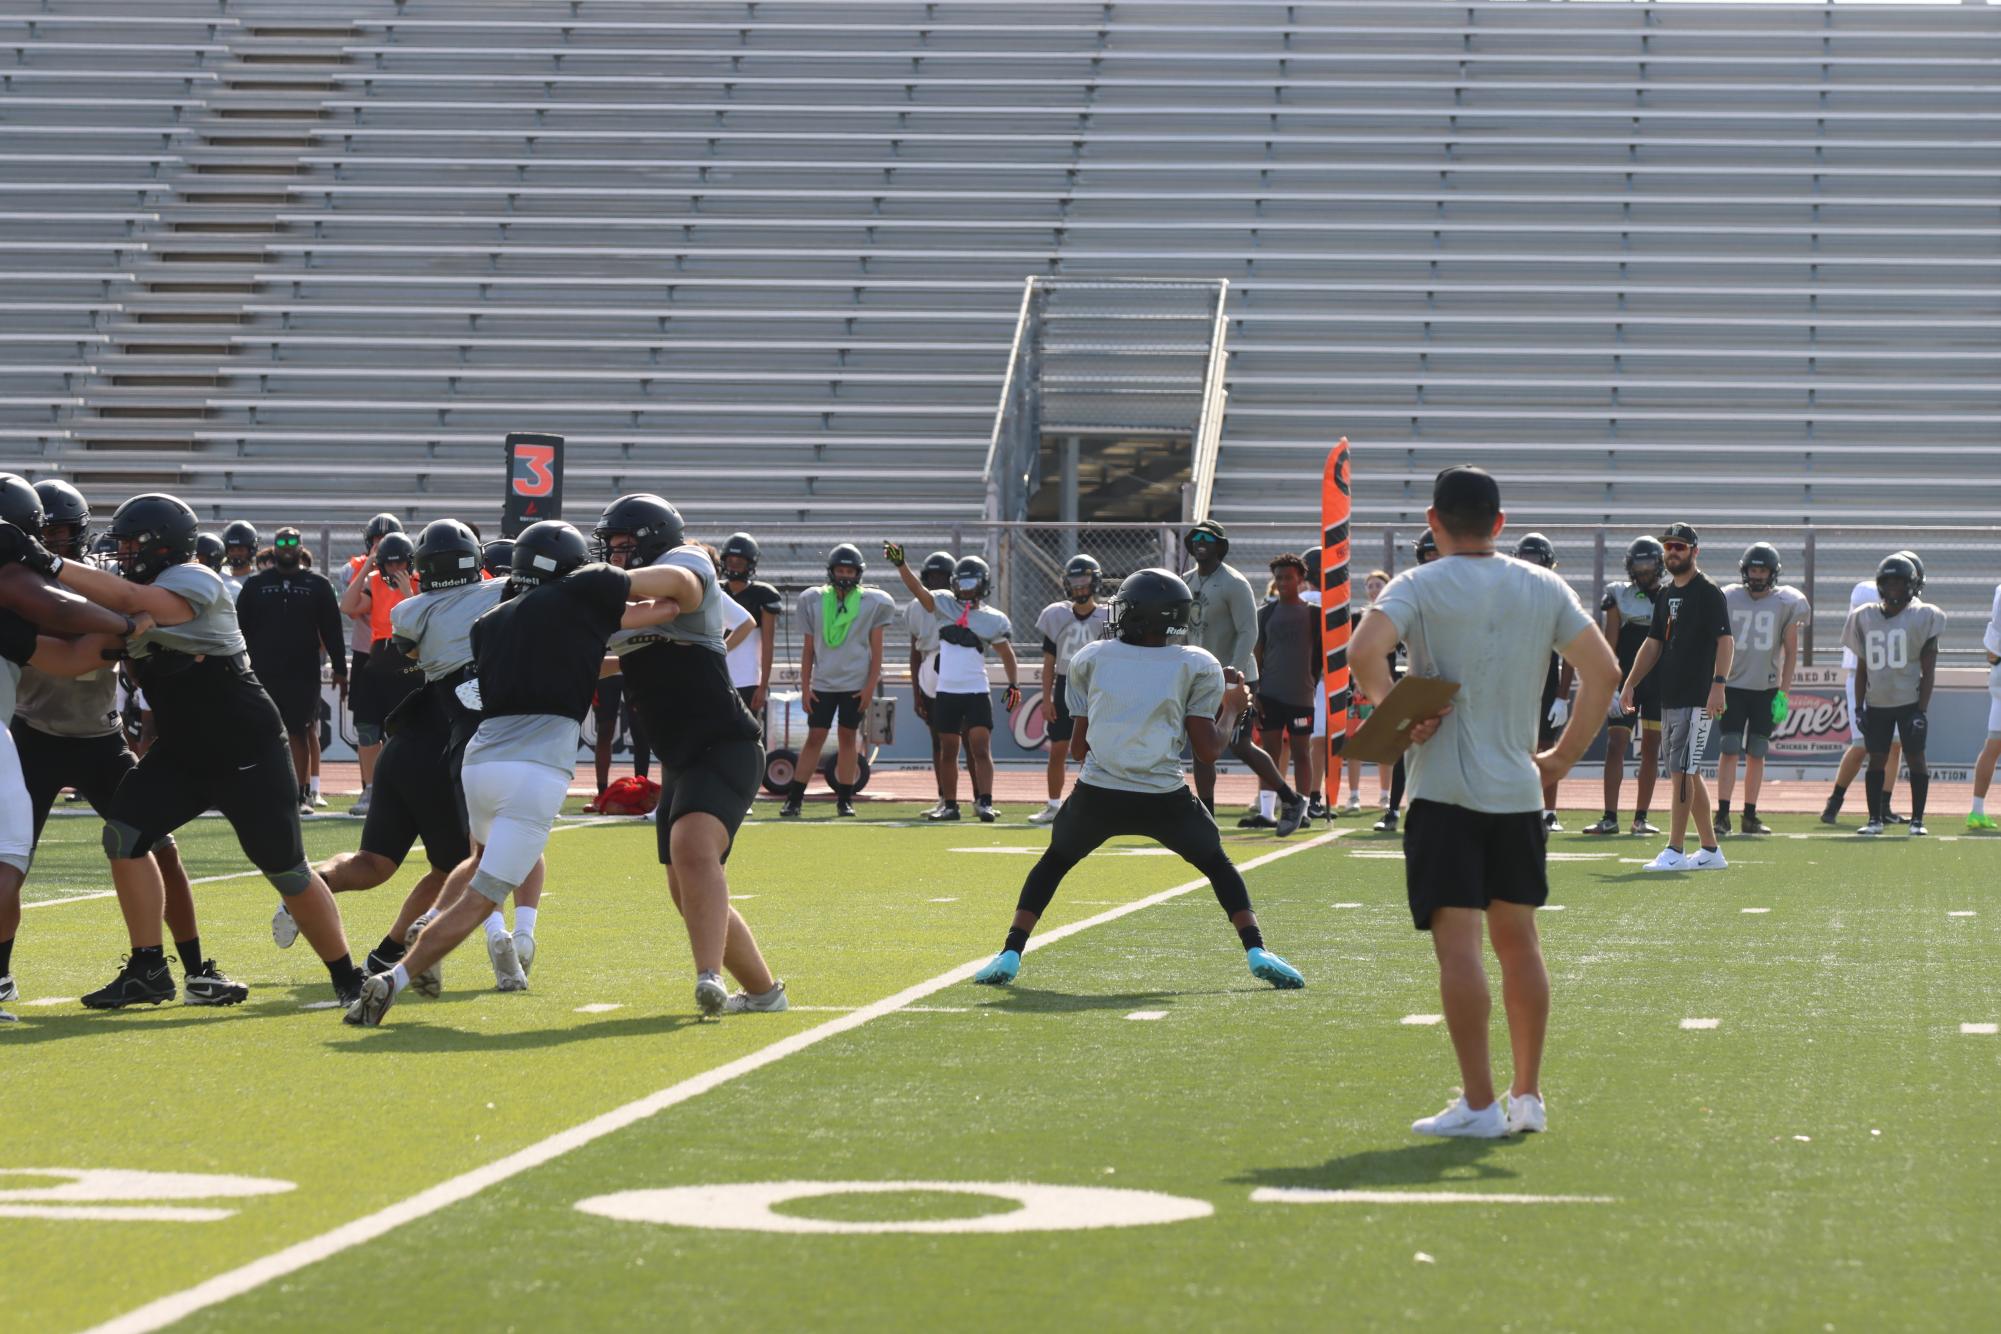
<point x="1459" y="1121"/>
<point x="360" y="806"/>
<point x="319" y="800"/>
<point x="932" y="814"/>
<point x="744" y="1002"/>
<point x="1670" y="859"/>
<point x="1872" y="829"/>
<point x="1551" y="823"/>
<point x="1707" y="859"/>
<point x="283" y="929"/>
<point x="1526" y="1115"/>
<point x="7" y="989"/>
<point x="1047" y="814"/>
<point x="430" y="982"/>
<point x="524" y="950"/>
<point x="1354" y="806"/>
<point x="710" y="994"/>
<point x="507" y="972"/>
<point x="306" y="810"/>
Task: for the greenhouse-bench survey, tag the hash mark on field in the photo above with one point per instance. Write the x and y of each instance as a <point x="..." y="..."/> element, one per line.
<point x="1552" y="907"/>
<point x="941" y="900"/>
<point x="1963" y="913"/>
<point x="1754" y="910"/>
<point x="321" y="1005"/>
<point x="1348" y="905"/>
<point x="1980" y="1030"/>
<point x="598" y="1007"/>
<point x="1422" y="1020"/>
<point x="1700" y="1023"/>
<point x="51" y="1000"/>
<point x="1147" y="1014"/>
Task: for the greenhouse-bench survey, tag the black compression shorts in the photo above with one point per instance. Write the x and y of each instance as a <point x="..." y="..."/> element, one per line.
<point x="255" y="789"/>
<point x="955" y="714"/>
<point x="417" y="796"/>
<point x="720" y="780"/>
<point x="844" y="705"/>
<point x="93" y="765"/>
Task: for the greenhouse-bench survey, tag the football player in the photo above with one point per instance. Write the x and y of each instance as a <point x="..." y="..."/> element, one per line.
<point x="1862" y="595"/>
<point x="1539" y="550"/>
<point x="1627" y="613"/>
<point x="1895" y="643"/>
<point x="361" y="701"/>
<point x="1136" y="699"/>
<point x="239" y="553"/>
<point x="1065" y="627"/>
<point x="840" y="665"/>
<point x="936" y="575"/>
<point x="1289" y="661"/>
<point x="208" y="550"/>
<point x="1977" y="817"/>
<point x="752" y="658"/>
<point x="1765" y="620"/>
<point x="537" y="656"/>
<point x="964" y="706"/>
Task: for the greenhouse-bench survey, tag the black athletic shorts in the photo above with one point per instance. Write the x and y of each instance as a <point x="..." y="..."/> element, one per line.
<point x="296" y="692"/>
<point x="1646" y="708"/>
<point x="417" y="796"/>
<point x="93" y="765"/>
<point x="1905" y="722"/>
<point x="611" y="694"/>
<point x="1277" y="715"/>
<point x="252" y="784"/>
<point x="748" y="694"/>
<point x="720" y="780"/>
<point x="955" y="714"/>
<point x="1747" y="714"/>
<point x="829" y="704"/>
<point x="1459" y="858"/>
<point x="1061" y="727"/>
<point x="1176" y="820"/>
<point x="358" y="702"/>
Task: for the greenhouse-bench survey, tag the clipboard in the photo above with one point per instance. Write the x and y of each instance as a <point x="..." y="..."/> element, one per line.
<point x="1385" y="735"/>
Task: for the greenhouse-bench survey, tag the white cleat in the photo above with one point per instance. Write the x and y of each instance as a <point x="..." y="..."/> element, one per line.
<point x="306" y="811"/>
<point x="430" y="982"/>
<point x="507" y="971"/>
<point x="283" y="929"/>
<point x="8" y="991"/>
<point x="1047" y="814"/>
<point x="360" y="807"/>
<point x="524" y="950"/>
<point x="1526" y="1115"/>
<point x="377" y="995"/>
<point x="1670" y="859"/>
<point x="1354" y="806"/>
<point x="1459" y="1121"/>
<point x="318" y="801"/>
<point x="710" y="994"/>
<point x="1707" y="859"/>
<point x="745" y="1002"/>
<point x="1550" y="823"/>
<point x="1873" y="829"/>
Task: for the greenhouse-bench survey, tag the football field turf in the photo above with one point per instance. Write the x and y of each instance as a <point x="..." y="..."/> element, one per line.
<point x="1819" y="1151"/>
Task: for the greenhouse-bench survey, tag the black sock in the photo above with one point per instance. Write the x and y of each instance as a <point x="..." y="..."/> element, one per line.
<point x="983" y="799"/>
<point x="1613" y="816"/>
<point x="391" y="949"/>
<point x="1253" y="938"/>
<point x="1209" y="805"/>
<point x="1640" y="815"/>
<point x="1839" y="795"/>
<point x="1723" y="808"/>
<point x="796" y="792"/>
<point x="1017" y="939"/>
<point x="342" y="969"/>
<point x="146" y="958"/>
<point x="6" y="955"/>
<point x="190" y="952"/>
<point x="1313" y="798"/>
<point x="1286" y="795"/>
<point x="1750" y="810"/>
<point x="845" y="791"/>
<point x="1709" y="847"/>
<point x="1921" y="786"/>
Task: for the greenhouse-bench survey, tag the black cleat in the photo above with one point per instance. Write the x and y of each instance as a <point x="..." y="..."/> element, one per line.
<point x="1256" y="822"/>
<point x="986" y="812"/>
<point x="133" y="986"/>
<point x="793" y="805"/>
<point x="207" y="986"/>
<point x="844" y="806"/>
<point x="1319" y="810"/>
<point x="349" y="991"/>
<point x="1722" y="824"/>
<point x="1831" y="812"/>
<point x="1753" y="825"/>
<point x="1291" y="815"/>
<point x="378" y="962"/>
<point x="945" y="812"/>
<point x="1388" y="824"/>
<point x="1891" y="817"/>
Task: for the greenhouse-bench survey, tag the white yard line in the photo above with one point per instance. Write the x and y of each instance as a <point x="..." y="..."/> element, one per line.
<point x="106" y="893"/>
<point x="222" y="1287"/>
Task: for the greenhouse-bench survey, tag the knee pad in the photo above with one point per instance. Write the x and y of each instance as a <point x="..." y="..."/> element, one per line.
<point x="122" y="842"/>
<point x="1730" y="743"/>
<point x="295" y="881"/>
<point x="488" y="885"/>
<point x="368" y="734"/>
<point x="1758" y="746"/>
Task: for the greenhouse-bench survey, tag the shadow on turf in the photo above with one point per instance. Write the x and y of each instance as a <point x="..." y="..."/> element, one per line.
<point x="406" y="1032"/>
<point x="1028" y="1000"/>
<point x="1452" y="1160"/>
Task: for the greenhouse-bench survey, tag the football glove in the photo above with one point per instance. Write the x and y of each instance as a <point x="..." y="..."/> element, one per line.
<point x="1559" y="712"/>
<point x="1781" y="707"/>
<point x="893" y="552"/>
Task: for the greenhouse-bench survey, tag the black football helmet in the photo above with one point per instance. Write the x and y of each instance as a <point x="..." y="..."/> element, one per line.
<point x="1204" y="533"/>
<point x="239" y="533"/>
<point x="1760" y="556"/>
<point x="743" y="547"/>
<point x="847" y="553"/>
<point x="378" y="527"/>
<point x="1312" y="558"/>
<point x="497" y="557"/>
<point x="971" y="578"/>
<point x="1082" y="576"/>
<point x="447" y="556"/>
<point x="1536" y="550"/>
<point x="544" y="553"/>
<point x="1426" y="548"/>
<point x="653" y="525"/>
<point x="154" y="533"/>
<point x="208" y="550"/>
<point x="1897" y="581"/>
<point x="65" y="518"/>
<point x="1917" y="589"/>
<point x="1151" y="602"/>
<point x="1645" y="559"/>
<point x="395" y="548"/>
<point x="20" y="504"/>
<point x="936" y="574"/>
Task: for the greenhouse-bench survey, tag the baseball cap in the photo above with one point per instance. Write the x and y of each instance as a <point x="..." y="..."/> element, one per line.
<point x="1680" y="532"/>
<point x="1466" y="498"/>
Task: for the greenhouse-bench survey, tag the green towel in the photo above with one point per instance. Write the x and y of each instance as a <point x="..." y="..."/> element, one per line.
<point x="838" y="617"/>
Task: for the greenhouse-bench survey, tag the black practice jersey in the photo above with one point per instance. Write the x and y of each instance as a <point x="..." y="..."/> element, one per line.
<point x="540" y="652"/>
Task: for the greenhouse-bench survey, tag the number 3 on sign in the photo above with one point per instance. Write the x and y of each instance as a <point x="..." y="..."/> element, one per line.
<point x="534" y="470"/>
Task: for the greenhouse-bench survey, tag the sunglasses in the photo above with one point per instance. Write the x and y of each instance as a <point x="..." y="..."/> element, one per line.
<point x="1676" y="546"/>
<point x="285" y="542"/>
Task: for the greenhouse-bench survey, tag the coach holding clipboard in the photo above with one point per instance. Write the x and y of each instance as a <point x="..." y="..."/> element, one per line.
<point x="1474" y="837"/>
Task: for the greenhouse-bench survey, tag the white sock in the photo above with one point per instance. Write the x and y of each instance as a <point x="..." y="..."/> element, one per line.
<point x="524" y="920"/>
<point x="313" y="785"/>
<point x="1267" y="804"/>
<point x="1979" y="806"/>
<point x="399" y="978"/>
<point x="496" y="926"/>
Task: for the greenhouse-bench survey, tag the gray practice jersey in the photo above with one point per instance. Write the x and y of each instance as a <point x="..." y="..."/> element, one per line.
<point x="1224" y="619"/>
<point x="82" y="706"/>
<point x="1490" y="625"/>
<point x="923" y="627"/>
<point x="701" y="626"/>
<point x="1891" y="648"/>
<point x="1138" y="701"/>
<point x="844" y="666"/>
<point x="436" y="628"/>
<point x="1758" y="625"/>
<point x="10" y="684"/>
<point x="1063" y="633"/>
<point x="213" y="629"/>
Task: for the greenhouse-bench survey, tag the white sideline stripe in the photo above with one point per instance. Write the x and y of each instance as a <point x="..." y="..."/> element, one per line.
<point x="1700" y="1023"/>
<point x="1980" y="1030"/>
<point x="1422" y="1020"/>
<point x="164" y="1311"/>
<point x="115" y="1213"/>
<point x="1301" y="1195"/>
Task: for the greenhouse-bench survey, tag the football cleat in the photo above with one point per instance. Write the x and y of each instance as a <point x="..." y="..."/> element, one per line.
<point x="745" y="1002"/>
<point x="1872" y="829"/>
<point x="8" y="991"/>
<point x="1751" y="824"/>
<point x="348" y="990"/>
<point x="1918" y="829"/>
<point x="1643" y="828"/>
<point x="1354" y="806"/>
<point x="207" y="986"/>
<point x="1981" y="821"/>
<point x="376" y="996"/>
<point x="1458" y="1121"/>
<point x="1722" y="825"/>
<point x="283" y="929"/>
<point x="1268" y="967"/>
<point x="1256" y="821"/>
<point x="794" y="804"/>
<point x="1388" y="824"/>
<point x="306" y="810"/>
<point x="844" y="806"/>
<point x="524" y="950"/>
<point x="944" y="814"/>
<point x="1831" y="812"/>
<point x="710" y="994"/>
<point x="1550" y="823"/>
<point x="1526" y="1115"/>
<point x="1318" y="810"/>
<point x="986" y="812"/>
<point x="999" y="970"/>
<point x="1670" y="859"/>
<point x="430" y="982"/>
<point x="1291" y="815"/>
<point x="378" y="962"/>
<point x="1607" y="825"/>
<point x="318" y="800"/>
<point x="1047" y="815"/>
<point x="507" y="972"/>
<point x="1891" y="817"/>
<point x="133" y="986"/>
<point x="360" y="807"/>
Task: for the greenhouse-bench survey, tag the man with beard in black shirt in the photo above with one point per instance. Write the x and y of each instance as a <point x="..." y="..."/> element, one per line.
<point x="289" y="615"/>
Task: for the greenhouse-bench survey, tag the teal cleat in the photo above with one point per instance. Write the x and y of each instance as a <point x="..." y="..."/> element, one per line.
<point x="1000" y="970"/>
<point x="1268" y="967"/>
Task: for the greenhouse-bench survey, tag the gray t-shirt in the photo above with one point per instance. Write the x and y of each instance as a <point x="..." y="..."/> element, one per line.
<point x="535" y="738"/>
<point x="923" y="627"/>
<point x="1064" y="632"/>
<point x="80" y="706"/>
<point x="1139" y="701"/>
<point x="701" y="626"/>
<point x="844" y="666"/>
<point x="10" y="684"/>
<point x="1224" y="619"/>
<point x="213" y="629"/>
<point x="438" y="626"/>
<point x="1489" y="624"/>
<point x="962" y="668"/>
<point x="1892" y="648"/>
<point x="1758" y="626"/>
<point x="1288" y="658"/>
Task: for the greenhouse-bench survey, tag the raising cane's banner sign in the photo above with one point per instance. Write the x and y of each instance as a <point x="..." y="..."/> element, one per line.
<point x="1816" y="731"/>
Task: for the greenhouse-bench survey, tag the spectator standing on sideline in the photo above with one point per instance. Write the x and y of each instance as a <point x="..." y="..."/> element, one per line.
<point x="1289" y="661"/>
<point x="1977" y="818"/>
<point x="1690" y="642"/>
<point x="1475" y="843"/>
<point x="287" y="615"/>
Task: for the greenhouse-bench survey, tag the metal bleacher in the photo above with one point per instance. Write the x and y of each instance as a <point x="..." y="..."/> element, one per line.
<point x="1737" y="261"/>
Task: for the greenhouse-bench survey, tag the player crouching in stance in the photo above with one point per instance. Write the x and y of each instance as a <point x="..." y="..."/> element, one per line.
<point x="1134" y="698"/>
<point x="678" y="679"/>
<point x="1474" y="841"/>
